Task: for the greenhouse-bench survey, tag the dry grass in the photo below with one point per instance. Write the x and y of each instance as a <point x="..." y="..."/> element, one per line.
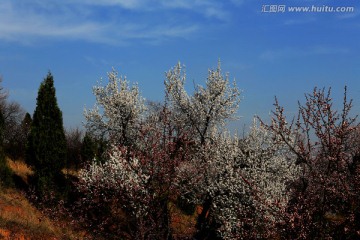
<point x="182" y="224"/>
<point x="21" y="220"/>
<point x="20" y="168"/>
<point x="70" y="172"/>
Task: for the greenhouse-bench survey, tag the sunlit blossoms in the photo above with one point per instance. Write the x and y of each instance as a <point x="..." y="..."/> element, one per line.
<point x="210" y="106"/>
<point x="117" y="111"/>
<point x="243" y="180"/>
<point x="119" y="174"/>
<point x="281" y="180"/>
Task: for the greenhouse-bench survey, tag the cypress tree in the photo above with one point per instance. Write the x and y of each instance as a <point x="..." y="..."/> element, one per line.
<point x="46" y="145"/>
<point x="26" y="124"/>
<point x="88" y="149"/>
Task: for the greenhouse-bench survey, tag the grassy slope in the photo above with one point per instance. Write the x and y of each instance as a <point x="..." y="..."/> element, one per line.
<point x="21" y="220"/>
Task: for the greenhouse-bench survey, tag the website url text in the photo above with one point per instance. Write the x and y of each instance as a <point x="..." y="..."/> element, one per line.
<point x="310" y="9"/>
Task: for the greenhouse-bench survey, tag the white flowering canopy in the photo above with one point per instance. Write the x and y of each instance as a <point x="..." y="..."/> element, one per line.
<point x="245" y="179"/>
<point x="209" y="107"/>
<point x="240" y="174"/>
<point x="117" y="111"/>
<point x="119" y="175"/>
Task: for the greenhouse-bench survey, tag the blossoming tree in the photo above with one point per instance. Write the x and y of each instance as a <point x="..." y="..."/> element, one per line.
<point x="295" y="178"/>
<point x="244" y="181"/>
<point x="324" y="202"/>
<point x="117" y="112"/>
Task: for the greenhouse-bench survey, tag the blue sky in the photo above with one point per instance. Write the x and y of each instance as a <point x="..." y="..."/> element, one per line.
<point x="284" y="54"/>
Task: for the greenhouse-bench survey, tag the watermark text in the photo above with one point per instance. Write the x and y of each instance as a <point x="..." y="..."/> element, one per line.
<point x="277" y="8"/>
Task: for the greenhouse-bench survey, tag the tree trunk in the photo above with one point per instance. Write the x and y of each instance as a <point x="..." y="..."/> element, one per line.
<point x="202" y="224"/>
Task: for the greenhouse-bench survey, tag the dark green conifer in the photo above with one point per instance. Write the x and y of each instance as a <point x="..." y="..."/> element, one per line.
<point x="26" y="124"/>
<point x="46" y="145"/>
<point x="88" y="149"/>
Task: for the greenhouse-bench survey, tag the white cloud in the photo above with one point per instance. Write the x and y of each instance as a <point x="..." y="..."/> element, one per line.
<point x="128" y="4"/>
<point x="216" y="13"/>
<point x="77" y="22"/>
<point x="109" y="21"/>
<point x="31" y="25"/>
<point x="208" y="8"/>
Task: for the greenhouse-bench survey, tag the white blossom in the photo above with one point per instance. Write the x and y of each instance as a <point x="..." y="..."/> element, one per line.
<point x="209" y="107"/>
<point x="245" y="180"/>
<point x="241" y="175"/>
<point x="117" y="111"/>
<point x="120" y="175"/>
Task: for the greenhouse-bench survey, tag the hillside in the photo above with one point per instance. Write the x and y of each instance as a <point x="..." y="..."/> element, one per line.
<point x="19" y="219"/>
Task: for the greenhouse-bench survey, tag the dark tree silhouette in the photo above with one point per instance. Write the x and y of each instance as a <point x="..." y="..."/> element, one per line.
<point x="46" y="146"/>
<point x="5" y="172"/>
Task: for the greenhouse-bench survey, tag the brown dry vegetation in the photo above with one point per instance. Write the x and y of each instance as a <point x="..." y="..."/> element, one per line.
<point x="20" y="169"/>
<point x="19" y="219"/>
<point x="182" y="225"/>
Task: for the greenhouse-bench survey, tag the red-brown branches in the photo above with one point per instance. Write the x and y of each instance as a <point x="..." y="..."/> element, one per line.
<point x="323" y="200"/>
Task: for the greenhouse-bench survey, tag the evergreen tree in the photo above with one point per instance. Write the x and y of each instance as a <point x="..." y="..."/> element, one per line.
<point x="93" y="148"/>
<point x="74" y="146"/>
<point x="26" y="124"/>
<point x="88" y="149"/>
<point x="46" y="146"/>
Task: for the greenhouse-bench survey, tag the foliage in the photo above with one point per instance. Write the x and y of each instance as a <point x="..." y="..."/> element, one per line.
<point x="88" y="149"/>
<point x="46" y="146"/>
<point x="74" y="146"/>
<point x="92" y="148"/>
<point x="14" y="135"/>
<point x="5" y="172"/>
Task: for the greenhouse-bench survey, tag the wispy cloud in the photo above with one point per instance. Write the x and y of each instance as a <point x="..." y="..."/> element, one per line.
<point x="84" y="20"/>
<point x="33" y="24"/>
<point x="210" y="9"/>
<point x="129" y="4"/>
